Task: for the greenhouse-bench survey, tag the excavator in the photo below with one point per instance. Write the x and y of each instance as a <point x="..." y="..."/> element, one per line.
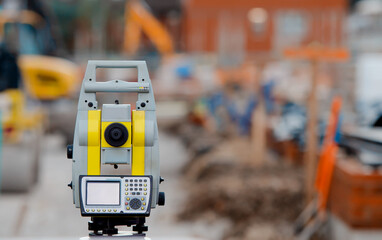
<point x="28" y="78"/>
<point x="138" y="19"/>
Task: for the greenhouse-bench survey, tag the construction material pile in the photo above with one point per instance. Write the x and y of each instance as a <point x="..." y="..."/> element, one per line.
<point x="260" y="200"/>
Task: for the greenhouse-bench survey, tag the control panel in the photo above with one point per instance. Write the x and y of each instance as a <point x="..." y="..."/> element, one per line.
<point x="115" y="195"/>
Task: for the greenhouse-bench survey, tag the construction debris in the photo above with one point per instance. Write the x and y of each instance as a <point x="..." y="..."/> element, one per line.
<point x="260" y="201"/>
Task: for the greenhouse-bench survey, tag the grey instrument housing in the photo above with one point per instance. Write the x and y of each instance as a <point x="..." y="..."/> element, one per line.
<point x="87" y="101"/>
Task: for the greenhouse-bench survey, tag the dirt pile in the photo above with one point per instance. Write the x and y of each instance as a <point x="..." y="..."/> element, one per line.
<point x="261" y="202"/>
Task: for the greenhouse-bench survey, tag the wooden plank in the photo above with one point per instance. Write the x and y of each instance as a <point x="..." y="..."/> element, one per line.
<point x="315" y="53"/>
<point x="310" y="158"/>
<point x="259" y="128"/>
<point x="259" y="121"/>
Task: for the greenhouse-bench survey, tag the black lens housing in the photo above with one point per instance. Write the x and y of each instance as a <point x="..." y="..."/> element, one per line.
<point x="116" y="134"/>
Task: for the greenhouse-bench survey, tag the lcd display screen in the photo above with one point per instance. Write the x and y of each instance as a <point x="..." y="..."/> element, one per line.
<point x="103" y="193"/>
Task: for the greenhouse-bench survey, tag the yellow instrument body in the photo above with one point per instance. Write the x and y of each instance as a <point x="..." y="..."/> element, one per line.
<point x="96" y="140"/>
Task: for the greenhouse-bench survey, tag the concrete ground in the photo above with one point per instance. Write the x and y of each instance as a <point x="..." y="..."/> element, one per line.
<point x="47" y="210"/>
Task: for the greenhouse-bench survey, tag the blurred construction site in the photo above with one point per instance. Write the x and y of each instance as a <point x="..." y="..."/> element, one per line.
<point x="269" y="113"/>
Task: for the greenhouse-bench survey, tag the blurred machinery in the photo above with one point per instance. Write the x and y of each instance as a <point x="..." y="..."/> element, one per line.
<point x="120" y="137"/>
<point x="53" y="82"/>
<point x="21" y="130"/>
<point x="46" y="79"/>
<point x="34" y="77"/>
<point x="138" y="19"/>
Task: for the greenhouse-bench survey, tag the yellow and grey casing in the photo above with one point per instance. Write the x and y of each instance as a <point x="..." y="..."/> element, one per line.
<point x="90" y="149"/>
<point x="115" y="113"/>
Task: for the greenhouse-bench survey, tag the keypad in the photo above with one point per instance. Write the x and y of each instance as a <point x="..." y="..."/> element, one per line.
<point x="136" y="199"/>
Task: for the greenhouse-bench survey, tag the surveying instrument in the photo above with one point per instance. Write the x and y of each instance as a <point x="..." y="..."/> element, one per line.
<point x="115" y="135"/>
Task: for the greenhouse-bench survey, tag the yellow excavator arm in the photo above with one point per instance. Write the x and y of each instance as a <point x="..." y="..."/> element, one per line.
<point x="138" y="19"/>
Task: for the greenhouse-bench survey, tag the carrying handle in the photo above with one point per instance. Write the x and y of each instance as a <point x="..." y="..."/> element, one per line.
<point x="117" y="64"/>
<point x="90" y="86"/>
<point x="116" y="86"/>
